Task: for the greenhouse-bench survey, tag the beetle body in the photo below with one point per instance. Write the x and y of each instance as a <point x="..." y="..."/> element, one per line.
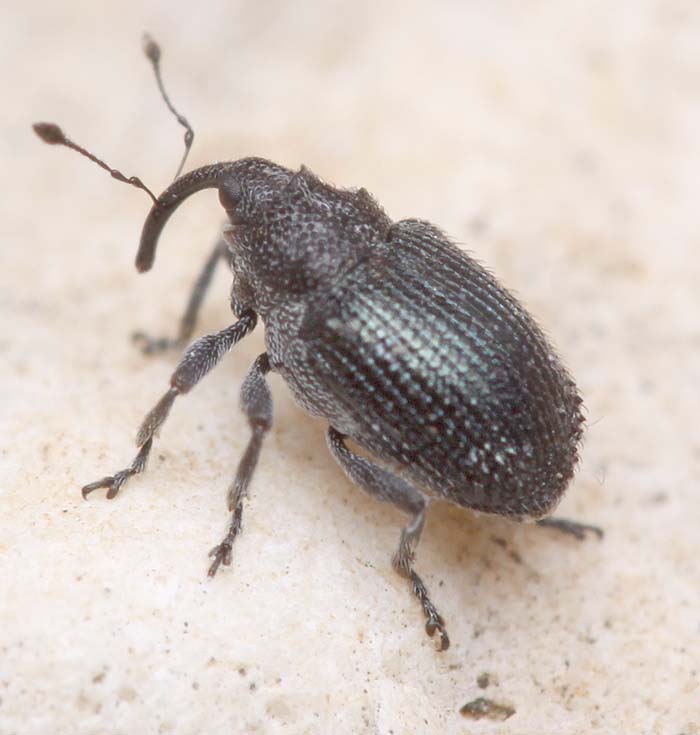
<point x="397" y="338"/>
<point x="402" y="341"/>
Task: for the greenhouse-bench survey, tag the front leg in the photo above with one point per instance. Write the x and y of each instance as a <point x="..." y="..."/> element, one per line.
<point x="197" y="361"/>
<point x="256" y="403"/>
<point x="388" y="487"/>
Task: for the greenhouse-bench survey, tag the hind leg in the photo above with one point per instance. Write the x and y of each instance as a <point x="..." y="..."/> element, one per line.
<point x="388" y="487"/>
<point x="573" y="528"/>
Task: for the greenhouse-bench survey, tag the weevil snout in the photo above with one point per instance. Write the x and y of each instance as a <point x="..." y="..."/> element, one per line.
<point x="207" y="177"/>
<point x="245" y="187"/>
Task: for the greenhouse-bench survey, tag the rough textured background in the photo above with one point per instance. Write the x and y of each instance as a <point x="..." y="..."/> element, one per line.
<point x="560" y="141"/>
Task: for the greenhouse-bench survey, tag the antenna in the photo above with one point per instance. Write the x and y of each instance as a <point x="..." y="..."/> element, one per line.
<point x="53" y="135"/>
<point x="152" y="51"/>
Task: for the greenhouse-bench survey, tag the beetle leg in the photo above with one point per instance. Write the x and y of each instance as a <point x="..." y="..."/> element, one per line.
<point x="573" y="528"/>
<point x="149" y="345"/>
<point x="389" y="487"/>
<point x="256" y="403"/>
<point x="402" y="563"/>
<point x="197" y="361"/>
<point x="115" y="482"/>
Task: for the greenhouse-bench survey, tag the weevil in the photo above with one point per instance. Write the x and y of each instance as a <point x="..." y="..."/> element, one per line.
<point x="404" y="344"/>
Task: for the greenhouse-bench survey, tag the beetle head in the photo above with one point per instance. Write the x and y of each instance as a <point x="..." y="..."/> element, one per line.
<point x="245" y="187"/>
<point x="289" y="232"/>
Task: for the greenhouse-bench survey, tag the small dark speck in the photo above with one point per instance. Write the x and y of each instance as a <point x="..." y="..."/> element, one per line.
<point x="98" y="678"/>
<point x="658" y="498"/>
<point x="483" y="680"/>
<point x="242" y="671"/>
<point x="65" y="510"/>
<point x="482" y="707"/>
<point x="161" y="457"/>
<point x="252" y="686"/>
<point x="195" y="685"/>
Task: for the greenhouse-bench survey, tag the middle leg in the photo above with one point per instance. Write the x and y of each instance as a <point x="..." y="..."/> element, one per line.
<point x="256" y="402"/>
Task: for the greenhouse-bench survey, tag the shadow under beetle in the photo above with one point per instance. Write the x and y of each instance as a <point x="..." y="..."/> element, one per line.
<point x="398" y="339"/>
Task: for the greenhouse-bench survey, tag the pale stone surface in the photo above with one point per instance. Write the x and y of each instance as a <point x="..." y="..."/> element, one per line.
<point x="560" y="142"/>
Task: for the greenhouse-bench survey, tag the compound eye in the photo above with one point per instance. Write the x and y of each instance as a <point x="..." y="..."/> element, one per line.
<point x="230" y="195"/>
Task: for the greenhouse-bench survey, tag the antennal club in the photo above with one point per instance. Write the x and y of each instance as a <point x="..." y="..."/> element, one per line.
<point x="53" y="135"/>
<point x="152" y="51"/>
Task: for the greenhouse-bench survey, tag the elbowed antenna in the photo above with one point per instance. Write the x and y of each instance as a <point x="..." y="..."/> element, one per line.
<point x="207" y="177"/>
<point x="163" y="206"/>
<point x="153" y="52"/>
<point x="53" y="135"/>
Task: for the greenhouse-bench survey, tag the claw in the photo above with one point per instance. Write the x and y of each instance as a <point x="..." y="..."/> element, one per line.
<point x="222" y="555"/>
<point x="104" y="482"/>
<point x="113" y="483"/>
<point x="438" y="624"/>
<point x="117" y="482"/>
<point x="444" y="641"/>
